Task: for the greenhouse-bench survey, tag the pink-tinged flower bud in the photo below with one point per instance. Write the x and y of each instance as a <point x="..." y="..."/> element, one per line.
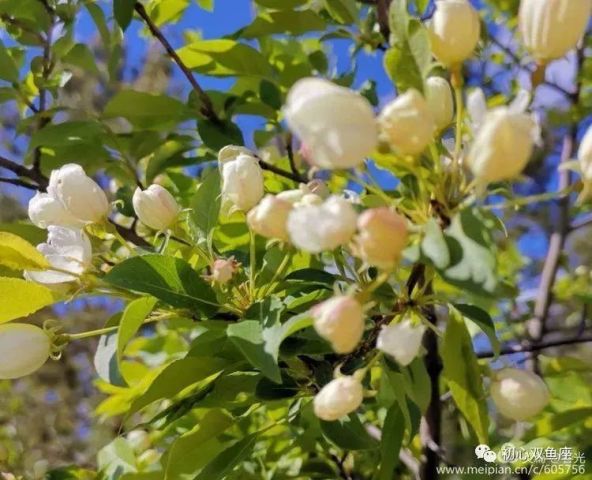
<point x="242" y="182"/>
<point x="503" y="145"/>
<point x="438" y="94"/>
<point x="550" y="28"/>
<point x="155" y="207"/>
<point x="338" y="398"/>
<point x="401" y="340"/>
<point x="454" y="31"/>
<point x="336" y="124"/>
<point x="382" y="237"/>
<point x="315" y="228"/>
<point x="72" y="200"/>
<point x="223" y="269"/>
<point x="270" y="217"/>
<point x="67" y="249"/>
<point x="518" y="394"/>
<point x="340" y="321"/>
<point x="25" y="348"/>
<point x="407" y="123"/>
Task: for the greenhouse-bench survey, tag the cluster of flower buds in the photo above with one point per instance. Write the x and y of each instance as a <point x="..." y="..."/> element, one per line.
<point x="223" y="270"/>
<point x="518" y="394"/>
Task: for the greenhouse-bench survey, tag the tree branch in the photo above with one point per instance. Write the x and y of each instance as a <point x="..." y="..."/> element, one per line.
<point x="18" y="183"/>
<point x="536" y="347"/>
<point x="207" y="108"/>
<point x="24" y="172"/>
<point x="537" y="327"/>
<point x="294" y="176"/>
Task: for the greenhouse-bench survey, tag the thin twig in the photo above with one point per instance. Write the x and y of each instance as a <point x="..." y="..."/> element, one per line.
<point x="290" y="153"/>
<point x="207" y="107"/>
<point x="19" y="183"/>
<point x="296" y="177"/>
<point x="535" y="347"/>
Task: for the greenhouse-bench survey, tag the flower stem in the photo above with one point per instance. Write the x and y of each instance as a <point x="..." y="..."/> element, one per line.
<point x="252" y="262"/>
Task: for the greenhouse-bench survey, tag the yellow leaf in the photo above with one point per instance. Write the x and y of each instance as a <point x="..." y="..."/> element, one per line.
<point x="19" y="298"/>
<point x="18" y="254"/>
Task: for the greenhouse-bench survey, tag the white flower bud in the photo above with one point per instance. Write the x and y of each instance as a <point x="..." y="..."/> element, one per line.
<point x="401" y="340"/>
<point x="335" y="124"/>
<point x="407" y="123"/>
<point x="503" y="145"/>
<point x="66" y="249"/>
<point x="585" y="156"/>
<point x="72" y="200"/>
<point x="79" y="194"/>
<point x="315" y="228"/>
<point x="242" y="182"/>
<point x="550" y="28"/>
<point x="382" y="237"/>
<point x="454" y="31"/>
<point x="231" y="152"/>
<point x="270" y="217"/>
<point x="25" y="348"/>
<point x="338" y="398"/>
<point x="438" y="94"/>
<point x="223" y="269"/>
<point x="155" y="207"/>
<point x="139" y="440"/>
<point x="518" y="394"/>
<point x="340" y="321"/>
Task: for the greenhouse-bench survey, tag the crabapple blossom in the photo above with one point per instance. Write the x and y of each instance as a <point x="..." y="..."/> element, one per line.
<point x="326" y="226"/>
<point x="338" y="398"/>
<point x="336" y="124"/>
<point x="73" y="199"/>
<point x="340" y="321"/>
<point x="454" y="31"/>
<point x="25" y="348"/>
<point x="66" y="249"/>
<point x="438" y="94"/>
<point x="407" y="123"/>
<point x="518" y="394"/>
<point x="269" y="218"/>
<point x="242" y="181"/>
<point x="155" y="207"/>
<point x="401" y="340"/>
<point x="550" y="28"/>
<point x="382" y="237"/>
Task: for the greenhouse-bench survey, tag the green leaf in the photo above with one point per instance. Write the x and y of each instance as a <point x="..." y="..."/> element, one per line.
<point x="225" y="461"/>
<point x="483" y="320"/>
<point x="225" y="57"/>
<point x="145" y="110"/>
<point x="20" y="298"/>
<point x="270" y="94"/>
<point x="216" y="135"/>
<point x="461" y="371"/>
<point x="18" y="254"/>
<point x="291" y="22"/>
<point x="169" y="279"/>
<point x="181" y="460"/>
<point x="205" y="207"/>
<point x="206" y="4"/>
<point x="106" y="362"/>
<point x="115" y="459"/>
<point x="248" y="338"/>
<point x="67" y="134"/>
<point x="343" y="11"/>
<point x="348" y="433"/>
<point x="177" y="376"/>
<point x="8" y="68"/>
<point x="132" y="319"/>
<point x="390" y="443"/>
<point x="81" y="56"/>
<point x="123" y="11"/>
